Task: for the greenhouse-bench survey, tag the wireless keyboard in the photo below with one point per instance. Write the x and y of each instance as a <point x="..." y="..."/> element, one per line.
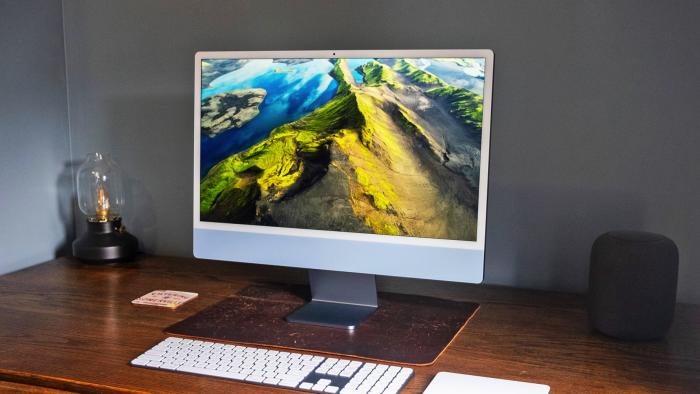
<point x="304" y="372"/>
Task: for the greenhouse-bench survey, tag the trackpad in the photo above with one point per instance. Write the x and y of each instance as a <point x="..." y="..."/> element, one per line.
<point x="457" y="383"/>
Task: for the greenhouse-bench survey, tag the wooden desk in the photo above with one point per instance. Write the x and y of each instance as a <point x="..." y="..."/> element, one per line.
<point x="67" y="326"/>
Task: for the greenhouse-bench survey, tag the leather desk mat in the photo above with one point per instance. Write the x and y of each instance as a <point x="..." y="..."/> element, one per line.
<point x="403" y="329"/>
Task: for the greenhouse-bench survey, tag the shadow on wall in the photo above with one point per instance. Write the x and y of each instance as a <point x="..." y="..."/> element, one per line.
<point x="139" y="214"/>
<point x="150" y="137"/>
<point x="541" y="237"/>
<point x="67" y="207"/>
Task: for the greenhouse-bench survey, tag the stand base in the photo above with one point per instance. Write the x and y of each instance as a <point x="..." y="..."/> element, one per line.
<point x="338" y="299"/>
<point x="331" y="314"/>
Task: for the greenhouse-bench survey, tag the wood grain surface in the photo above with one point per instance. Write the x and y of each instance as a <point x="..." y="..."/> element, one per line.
<point x="69" y="326"/>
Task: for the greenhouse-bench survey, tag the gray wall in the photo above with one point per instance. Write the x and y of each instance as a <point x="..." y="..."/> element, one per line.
<point x="594" y="118"/>
<point x="35" y="208"/>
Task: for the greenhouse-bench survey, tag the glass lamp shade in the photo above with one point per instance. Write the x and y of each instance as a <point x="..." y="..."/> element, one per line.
<point x="100" y="192"/>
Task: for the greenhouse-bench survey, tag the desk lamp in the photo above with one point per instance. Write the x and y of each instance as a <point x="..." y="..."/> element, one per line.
<point x="101" y="198"/>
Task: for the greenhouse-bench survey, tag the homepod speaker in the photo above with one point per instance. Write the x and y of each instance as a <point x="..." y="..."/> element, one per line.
<point x="632" y="284"/>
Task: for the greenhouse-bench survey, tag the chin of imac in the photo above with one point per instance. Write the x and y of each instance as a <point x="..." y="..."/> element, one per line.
<point x="413" y="258"/>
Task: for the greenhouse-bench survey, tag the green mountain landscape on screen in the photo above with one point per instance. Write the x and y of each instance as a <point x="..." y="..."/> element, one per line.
<point x="380" y="146"/>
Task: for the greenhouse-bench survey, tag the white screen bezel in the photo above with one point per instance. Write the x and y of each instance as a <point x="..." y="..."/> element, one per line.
<point x="486" y="54"/>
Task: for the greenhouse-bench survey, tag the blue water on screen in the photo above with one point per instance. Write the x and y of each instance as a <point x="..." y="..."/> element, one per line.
<point x="292" y="92"/>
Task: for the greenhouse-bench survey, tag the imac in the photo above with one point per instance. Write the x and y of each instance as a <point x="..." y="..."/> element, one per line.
<point x="350" y="164"/>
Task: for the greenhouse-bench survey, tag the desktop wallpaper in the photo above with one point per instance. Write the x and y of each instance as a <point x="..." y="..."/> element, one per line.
<point x="383" y="146"/>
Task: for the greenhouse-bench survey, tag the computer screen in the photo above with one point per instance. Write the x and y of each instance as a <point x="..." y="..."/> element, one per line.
<point x="354" y="149"/>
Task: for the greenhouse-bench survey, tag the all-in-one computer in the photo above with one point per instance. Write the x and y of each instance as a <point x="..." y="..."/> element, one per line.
<point x="350" y="164"/>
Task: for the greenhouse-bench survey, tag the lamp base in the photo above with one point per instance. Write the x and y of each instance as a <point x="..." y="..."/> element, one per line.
<point x="105" y="242"/>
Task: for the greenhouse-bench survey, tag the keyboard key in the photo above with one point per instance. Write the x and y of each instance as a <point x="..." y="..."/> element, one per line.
<point x="331" y="389"/>
<point x="284" y="376"/>
<point x="155" y="353"/>
<point x="289" y="383"/>
<point x="237" y="376"/>
<point x="150" y="357"/>
<point x="306" y="386"/>
<point x="296" y="373"/>
<point x="254" y="378"/>
<point x="139" y="361"/>
<point x="346" y="374"/>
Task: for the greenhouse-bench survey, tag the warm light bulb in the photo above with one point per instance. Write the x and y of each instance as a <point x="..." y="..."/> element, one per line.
<point x="102" y="210"/>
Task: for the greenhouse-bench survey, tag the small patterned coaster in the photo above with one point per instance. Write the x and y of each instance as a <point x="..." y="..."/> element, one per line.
<point x="165" y="298"/>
